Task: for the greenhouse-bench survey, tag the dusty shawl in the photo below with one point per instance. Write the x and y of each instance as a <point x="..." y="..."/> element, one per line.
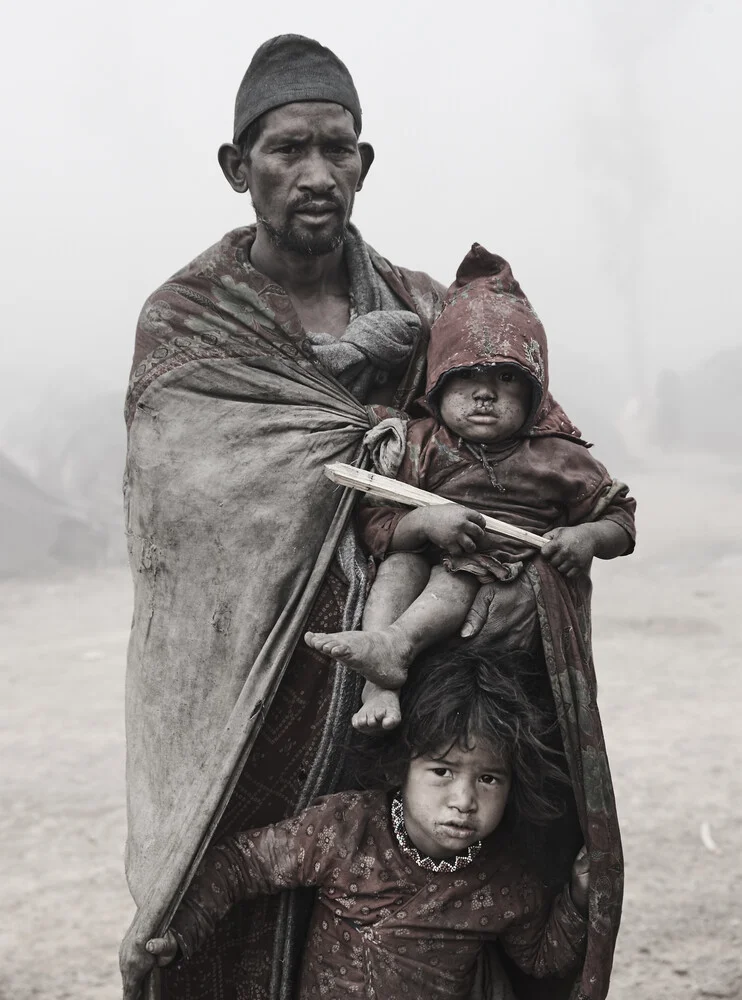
<point x="232" y="526"/>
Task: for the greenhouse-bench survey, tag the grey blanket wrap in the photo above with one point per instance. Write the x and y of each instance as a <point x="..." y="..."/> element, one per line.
<point x="232" y="526"/>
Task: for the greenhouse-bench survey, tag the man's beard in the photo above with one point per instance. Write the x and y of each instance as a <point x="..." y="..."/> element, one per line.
<point x="291" y="238"/>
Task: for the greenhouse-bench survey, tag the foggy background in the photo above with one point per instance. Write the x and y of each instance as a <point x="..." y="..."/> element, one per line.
<point x="597" y="146"/>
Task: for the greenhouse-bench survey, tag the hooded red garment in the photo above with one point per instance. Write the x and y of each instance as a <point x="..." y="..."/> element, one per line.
<point x="542" y="479"/>
<point x="487" y="320"/>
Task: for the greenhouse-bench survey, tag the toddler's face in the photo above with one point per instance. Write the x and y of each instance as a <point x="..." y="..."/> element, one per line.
<point x="452" y="801"/>
<point x="486" y="405"/>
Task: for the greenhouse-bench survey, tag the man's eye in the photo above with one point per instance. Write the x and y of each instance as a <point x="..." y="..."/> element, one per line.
<point x="339" y="150"/>
<point x="507" y="376"/>
<point x="288" y="148"/>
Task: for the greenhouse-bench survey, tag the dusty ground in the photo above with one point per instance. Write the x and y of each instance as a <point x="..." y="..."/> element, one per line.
<point x="668" y="631"/>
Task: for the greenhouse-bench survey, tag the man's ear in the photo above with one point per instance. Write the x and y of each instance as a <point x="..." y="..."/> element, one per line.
<point x="233" y="167"/>
<point x="367" y="158"/>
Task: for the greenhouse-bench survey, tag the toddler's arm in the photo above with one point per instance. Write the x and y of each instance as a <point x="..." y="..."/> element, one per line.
<point x="450" y="527"/>
<point x="571" y="549"/>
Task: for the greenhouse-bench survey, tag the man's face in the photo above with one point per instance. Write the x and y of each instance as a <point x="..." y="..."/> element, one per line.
<point x="303" y="173"/>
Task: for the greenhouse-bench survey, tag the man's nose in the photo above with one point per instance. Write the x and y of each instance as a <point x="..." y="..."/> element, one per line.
<point x="316" y="174"/>
<point x="485" y="392"/>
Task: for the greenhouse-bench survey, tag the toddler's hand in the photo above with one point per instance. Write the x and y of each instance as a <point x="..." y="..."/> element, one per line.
<point x="570" y="549"/>
<point x="164" y="949"/>
<point x="580" y="881"/>
<point x="453" y="528"/>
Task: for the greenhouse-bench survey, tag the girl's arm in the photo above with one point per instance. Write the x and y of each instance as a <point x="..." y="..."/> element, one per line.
<point x="296" y="852"/>
<point x="551" y="939"/>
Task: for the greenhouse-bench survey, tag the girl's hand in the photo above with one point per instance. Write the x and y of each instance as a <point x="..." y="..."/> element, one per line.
<point x="164" y="949"/>
<point x="580" y="881"/>
<point x="570" y="549"/>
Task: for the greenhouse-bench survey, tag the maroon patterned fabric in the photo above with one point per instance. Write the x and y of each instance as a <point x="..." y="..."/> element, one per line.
<point x="563" y="608"/>
<point x="383" y="926"/>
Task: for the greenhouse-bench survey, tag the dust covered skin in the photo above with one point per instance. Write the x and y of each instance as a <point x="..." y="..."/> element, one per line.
<point x="668" y="644"/>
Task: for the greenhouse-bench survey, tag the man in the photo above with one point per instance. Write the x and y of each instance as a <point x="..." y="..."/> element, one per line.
<point x="251" y="369"/>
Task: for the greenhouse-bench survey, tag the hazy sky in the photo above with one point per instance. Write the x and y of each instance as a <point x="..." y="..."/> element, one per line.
<point x="596" y="145"/>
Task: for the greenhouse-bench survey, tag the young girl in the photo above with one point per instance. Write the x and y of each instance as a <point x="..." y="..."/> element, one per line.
<point x="414" y="880"/>
<point x="487" y="390"/>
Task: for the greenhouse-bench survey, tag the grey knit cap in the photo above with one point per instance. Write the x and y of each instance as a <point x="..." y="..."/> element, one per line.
<point x="291" y="68"/>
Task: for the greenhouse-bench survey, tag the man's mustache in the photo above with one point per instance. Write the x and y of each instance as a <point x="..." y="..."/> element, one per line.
<point x="325" y="204"/>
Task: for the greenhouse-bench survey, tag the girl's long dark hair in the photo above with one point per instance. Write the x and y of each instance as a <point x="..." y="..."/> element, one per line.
<point x="460" y="696"/>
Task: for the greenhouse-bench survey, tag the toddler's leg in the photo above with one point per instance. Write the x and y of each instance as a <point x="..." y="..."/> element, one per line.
<point x="399" y="581"/>
<point x="384" y="654"/>
<point x="438" y="612"/>
<point x="379" y="709"/>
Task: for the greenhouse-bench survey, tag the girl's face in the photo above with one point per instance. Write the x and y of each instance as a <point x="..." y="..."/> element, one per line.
<point x="486" y="405"/>
<point x="452" y="801"/>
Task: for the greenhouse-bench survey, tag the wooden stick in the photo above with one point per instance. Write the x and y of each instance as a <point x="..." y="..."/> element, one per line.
<point x="411" y="496"/>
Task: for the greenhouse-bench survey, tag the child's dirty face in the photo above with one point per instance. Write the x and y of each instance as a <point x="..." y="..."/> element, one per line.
<point x="486" y="405"/>
<point x="452" y="801"/>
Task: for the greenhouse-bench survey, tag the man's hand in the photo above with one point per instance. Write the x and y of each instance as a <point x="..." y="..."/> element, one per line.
<point x="580" y="881"/>
<point x="504" y="613"/>
<point x="135" y="964"/>
<point x="450" y="527"/>
<point x="136" y="961"/>
<point x="164" y="949"/>
<point x="570" y="550"/>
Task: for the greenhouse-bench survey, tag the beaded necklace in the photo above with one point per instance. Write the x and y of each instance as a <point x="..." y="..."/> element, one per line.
<point x="429" y="864"/>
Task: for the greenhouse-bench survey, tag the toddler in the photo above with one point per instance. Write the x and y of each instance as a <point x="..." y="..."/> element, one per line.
<point x="496" y="442"/>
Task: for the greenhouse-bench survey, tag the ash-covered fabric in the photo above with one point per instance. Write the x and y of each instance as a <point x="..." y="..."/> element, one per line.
<point x="382" y="925"/>
<point x="232" y="530"/>
<point x="374" y="347"/>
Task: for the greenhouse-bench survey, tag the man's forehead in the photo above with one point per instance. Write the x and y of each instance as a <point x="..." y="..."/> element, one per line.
<point x="309" y="115"/>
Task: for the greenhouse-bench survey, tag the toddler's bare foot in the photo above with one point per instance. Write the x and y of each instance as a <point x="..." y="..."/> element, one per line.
<point x="379" y="711"/>
<point x="380" y="656"/>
